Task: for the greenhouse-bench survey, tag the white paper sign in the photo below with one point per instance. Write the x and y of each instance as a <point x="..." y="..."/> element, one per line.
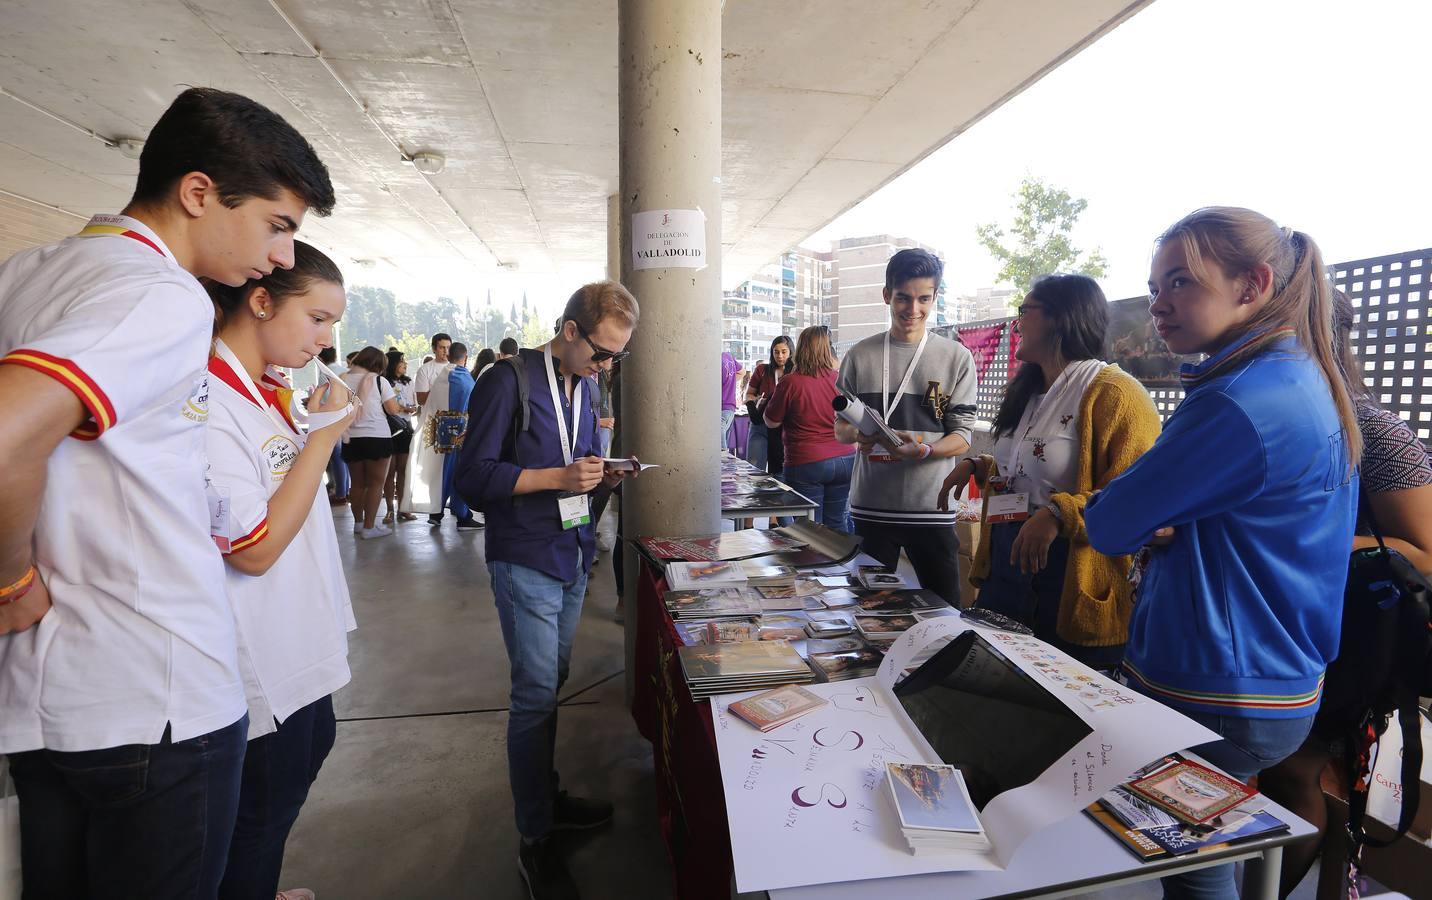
<point x="807" y="802"/>
<point x="669" y="239"/>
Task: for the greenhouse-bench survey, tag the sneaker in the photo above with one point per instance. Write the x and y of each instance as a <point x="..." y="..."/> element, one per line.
<point x="435" y="521"/>
<point x="468" y="524"/>
<point x="376" y="531"/>
<point x="544" y="871"/>
<point x="357" y="526"/>
<point x="577" y="814"/>
<point x="295" y="894"/>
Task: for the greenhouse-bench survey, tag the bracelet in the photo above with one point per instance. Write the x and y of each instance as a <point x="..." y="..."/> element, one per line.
<point x="19" y="588"/>
<point x="927" y="450"/>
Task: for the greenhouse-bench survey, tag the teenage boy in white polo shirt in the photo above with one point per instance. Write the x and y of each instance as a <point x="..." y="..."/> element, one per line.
<point x="122" y="708"/>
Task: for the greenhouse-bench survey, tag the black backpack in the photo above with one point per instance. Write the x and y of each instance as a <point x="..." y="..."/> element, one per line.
<point x="1384" y="665"/>
<point x="522" y="421"/>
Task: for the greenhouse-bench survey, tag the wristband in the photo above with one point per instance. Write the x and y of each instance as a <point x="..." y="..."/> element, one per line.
<point x="19" y="588"/>
<point x="927" y="450"/>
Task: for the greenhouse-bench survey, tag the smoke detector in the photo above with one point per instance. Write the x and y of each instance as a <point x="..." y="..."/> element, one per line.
<point x="428" y="163"/>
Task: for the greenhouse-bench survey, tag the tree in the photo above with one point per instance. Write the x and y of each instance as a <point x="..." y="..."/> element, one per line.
<point x="372" y="314"/>
<point x="1038" y="243"/>
<point x="413" y="346"/>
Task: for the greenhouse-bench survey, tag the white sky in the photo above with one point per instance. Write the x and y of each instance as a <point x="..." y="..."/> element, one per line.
<point x="1313" y="112"/>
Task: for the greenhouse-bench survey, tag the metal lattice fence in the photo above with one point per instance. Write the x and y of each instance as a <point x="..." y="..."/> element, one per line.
<point x="1393" y="334"/>
<point x="1392" y="338"/>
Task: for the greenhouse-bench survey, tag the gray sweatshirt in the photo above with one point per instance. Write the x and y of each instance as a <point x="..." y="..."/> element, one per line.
<point x="939" y="400"/>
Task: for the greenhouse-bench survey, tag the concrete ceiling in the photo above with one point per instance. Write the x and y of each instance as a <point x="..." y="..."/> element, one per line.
<point x="824" y="102"/>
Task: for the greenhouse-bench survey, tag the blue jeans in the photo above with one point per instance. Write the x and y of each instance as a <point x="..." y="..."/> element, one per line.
<point x="279" y="767"/>
<point x="1034" y="599"/>
<point x="604" y="440"/>
<point x="827" y="483"/>
<point x="539" y="616"/>
<point x="726" y="416"/>
<point x="138" y="820"/>
<point x="338" y="472"/>
<point x="451" y="498"/>
<point x="756" y="443"/>
<point x="1248" y="747"/>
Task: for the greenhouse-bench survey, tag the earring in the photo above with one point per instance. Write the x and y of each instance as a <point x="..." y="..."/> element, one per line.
<point x="262" y="315"/>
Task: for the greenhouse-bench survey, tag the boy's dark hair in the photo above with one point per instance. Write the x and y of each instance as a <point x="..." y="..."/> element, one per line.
<point x="440" y="336"/>
<point x="309" y="265"/>
<point x="508" y="347"/>
<point x="913" y="263"/>
<point x="349" y="358"/>
<point x="457" y="352"/>
<point x="328" y="356"/>
<point x="246" y="148"/>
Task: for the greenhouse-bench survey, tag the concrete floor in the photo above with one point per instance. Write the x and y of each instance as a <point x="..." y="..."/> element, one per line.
<point x="414" y="802"/>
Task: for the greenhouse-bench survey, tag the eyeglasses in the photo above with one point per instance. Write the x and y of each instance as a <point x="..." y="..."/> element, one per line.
<point x="1026" y="307"/>
<point x="600" y="354"/>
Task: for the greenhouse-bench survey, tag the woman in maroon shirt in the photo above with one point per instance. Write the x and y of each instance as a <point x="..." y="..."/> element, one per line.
<point x="764" y="449"/>
<point x="817" y="464"/>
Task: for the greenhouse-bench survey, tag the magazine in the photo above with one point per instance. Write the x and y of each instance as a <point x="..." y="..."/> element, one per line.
<point x="683" y="576"/>
<point x="775" y="708"/>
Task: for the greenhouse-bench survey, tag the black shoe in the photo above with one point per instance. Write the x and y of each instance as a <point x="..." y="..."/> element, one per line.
<point x="435" y="521"/>
<point x="545" y="872"/>
<point x="576" y="814"/>
<point x="468" y="524"/>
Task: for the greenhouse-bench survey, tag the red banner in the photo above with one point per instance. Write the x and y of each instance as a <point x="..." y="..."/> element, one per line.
<point x="1014" y="364"/>
<point x="982" y="344"/>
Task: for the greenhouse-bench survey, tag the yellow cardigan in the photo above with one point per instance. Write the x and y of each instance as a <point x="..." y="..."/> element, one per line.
<point x="1117" y="423"/>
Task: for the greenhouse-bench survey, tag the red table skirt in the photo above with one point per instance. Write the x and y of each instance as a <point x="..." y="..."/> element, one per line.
<point x="689" y="799"/>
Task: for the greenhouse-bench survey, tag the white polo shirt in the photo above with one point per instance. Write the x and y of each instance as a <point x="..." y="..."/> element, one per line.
<point x="141" y="635"/>
<point x="427" y="375"/>
<point x="294" y="619"/>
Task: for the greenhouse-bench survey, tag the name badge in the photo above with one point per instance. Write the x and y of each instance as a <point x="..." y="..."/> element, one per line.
<point x="574" y="510"/>
<point x="1007" y="508"/>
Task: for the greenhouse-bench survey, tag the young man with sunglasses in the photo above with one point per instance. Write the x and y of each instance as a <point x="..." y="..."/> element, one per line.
<point x="532" y="473"/>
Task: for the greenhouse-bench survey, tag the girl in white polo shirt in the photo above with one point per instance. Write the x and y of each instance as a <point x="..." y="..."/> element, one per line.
<point x="284" y="576"/>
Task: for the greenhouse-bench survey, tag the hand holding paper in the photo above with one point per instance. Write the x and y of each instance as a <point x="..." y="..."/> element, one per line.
<point x="866" y="420"/>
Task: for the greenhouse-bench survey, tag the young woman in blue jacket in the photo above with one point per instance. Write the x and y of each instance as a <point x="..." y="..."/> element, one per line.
<point x="1250" y="492"/>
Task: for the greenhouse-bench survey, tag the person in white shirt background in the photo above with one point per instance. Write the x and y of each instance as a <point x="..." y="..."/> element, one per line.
<point x="122" y="709"/>
<point x="397" y="480"/>
<point x="368" y="446"/>
<point x="425" y="464"/>
<point x="283" y="574"/>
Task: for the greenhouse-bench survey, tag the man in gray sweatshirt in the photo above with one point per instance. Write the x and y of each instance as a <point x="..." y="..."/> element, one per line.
<point x="924" y="386"/>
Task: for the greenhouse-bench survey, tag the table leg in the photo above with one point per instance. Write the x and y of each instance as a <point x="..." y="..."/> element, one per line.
<point x="1261" y="875"/>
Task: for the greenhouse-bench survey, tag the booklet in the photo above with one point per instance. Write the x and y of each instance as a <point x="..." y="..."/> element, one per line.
<point x="1191" y="792"/>
<point x="728" y="546"/>
<point x="627" y="465"/>
<point x="683" y="576"/>
<point x="775" y="708"/>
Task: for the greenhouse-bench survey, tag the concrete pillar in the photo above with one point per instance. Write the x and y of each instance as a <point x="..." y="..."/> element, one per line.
<point x="670" y="112"/>
<point x="614" y="237"/>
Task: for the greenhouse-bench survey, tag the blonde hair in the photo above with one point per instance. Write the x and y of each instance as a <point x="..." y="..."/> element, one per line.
<point x="813" y="351"/>
<point x="1239" y="240"/>
<point x="591" y="303"/>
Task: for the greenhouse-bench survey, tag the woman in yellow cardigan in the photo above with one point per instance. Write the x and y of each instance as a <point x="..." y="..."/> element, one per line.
<point x="1068" y="424"/>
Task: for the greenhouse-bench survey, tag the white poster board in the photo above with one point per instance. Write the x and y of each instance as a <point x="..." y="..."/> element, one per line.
<point x="807" y="802"/>
<point x="668" y="239"/>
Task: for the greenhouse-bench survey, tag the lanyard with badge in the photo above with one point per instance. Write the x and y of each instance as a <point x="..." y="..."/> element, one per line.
<point x="879" y="453"/>
<point x="572" y="509"/>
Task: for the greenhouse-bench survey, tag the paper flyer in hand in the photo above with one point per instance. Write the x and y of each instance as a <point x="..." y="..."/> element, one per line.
<point x="808" y="802"/>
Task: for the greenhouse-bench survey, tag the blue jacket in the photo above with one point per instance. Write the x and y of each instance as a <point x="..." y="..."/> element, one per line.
<point x="460" y="382"/>
<point x="524" y="530"/>
<point x="1240" y="614"/>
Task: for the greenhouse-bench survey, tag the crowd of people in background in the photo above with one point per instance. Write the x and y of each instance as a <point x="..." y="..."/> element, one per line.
<point x="1205" y="558"/>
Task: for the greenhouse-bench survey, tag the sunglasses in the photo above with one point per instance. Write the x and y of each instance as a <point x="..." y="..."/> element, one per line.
<point x="600" y="354"/>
